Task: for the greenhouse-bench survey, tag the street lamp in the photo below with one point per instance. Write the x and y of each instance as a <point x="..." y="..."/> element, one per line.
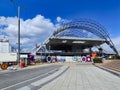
<point x="19" y="34"/>
<point x="18" y="57"/>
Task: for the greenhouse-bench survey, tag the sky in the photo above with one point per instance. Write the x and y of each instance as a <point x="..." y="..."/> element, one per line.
<point x="39" y="18"/>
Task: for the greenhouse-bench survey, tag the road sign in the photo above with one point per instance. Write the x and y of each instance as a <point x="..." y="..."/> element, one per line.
<point x="4" y="66"/>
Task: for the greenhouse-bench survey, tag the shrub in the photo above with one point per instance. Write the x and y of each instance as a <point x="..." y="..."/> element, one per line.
<point x="97" y="60"/>
<point x="117" y="57"/>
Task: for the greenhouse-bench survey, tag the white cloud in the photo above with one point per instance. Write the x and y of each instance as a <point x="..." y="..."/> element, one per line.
<point x="116" y="42"/>
<point x="59" y="19"/>
<point x="33" y="30"/>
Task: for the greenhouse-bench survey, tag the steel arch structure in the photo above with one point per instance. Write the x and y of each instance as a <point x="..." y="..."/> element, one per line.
<point x="86" y="24"/>
<point x="89" y="26"/>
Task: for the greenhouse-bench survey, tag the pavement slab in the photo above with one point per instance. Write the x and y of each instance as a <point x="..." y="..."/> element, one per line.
<point x="85" y="77"/>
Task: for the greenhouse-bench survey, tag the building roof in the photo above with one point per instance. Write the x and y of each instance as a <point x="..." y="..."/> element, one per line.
<point x="63" y="42"/>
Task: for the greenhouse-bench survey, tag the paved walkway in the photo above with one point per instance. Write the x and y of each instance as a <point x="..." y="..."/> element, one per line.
<point x="84" y="77"/>
<point x="76" y="77"/>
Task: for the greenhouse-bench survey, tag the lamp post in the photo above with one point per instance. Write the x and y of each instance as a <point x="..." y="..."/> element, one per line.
<point x="19" y="34"/>
<point x="18" y="56"/>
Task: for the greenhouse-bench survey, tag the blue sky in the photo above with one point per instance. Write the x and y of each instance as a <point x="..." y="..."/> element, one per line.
<point x="106" y="12"/>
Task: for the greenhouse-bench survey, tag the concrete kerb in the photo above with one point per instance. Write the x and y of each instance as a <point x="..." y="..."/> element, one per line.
<point x="17" y="67"/>
<point x="108" y="70"/>
<point x="47" y="64"/>
<point x="37" y="65"/>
